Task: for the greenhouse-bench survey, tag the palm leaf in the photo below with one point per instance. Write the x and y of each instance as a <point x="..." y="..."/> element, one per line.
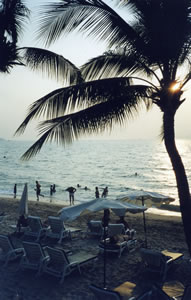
<point x="52" y="64"/>
<point x="91" y="16"/>
<point x="94" y="119"/>
<point x="114" y="64"/>
<point x="80" y="96"/>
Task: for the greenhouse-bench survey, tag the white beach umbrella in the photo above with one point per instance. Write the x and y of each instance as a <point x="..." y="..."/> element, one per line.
<point x="23" y="205"/>
<point x="148" y="198"/>
<point x="98" y="204"/>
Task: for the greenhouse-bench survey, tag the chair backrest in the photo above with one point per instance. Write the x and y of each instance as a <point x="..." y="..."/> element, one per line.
<point x="33" y="251"/>
<point x="58" y="257"/>
<point x="115" y="229"/>
<point x="151" y="258"/>
<point x="187" y="293"/>
<point x="101" y="293"/>
<point x="56" y="224"/>
<point x="34" y="223"/>
<point x="95" y="227"/>
<point x="6" y="244"/>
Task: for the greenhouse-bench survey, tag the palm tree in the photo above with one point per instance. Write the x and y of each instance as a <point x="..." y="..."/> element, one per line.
<point x="13" y="15"/>
<point x="148" y="63"/>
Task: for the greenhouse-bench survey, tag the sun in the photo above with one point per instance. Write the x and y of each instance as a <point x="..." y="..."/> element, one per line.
<point x="175" y="86"/>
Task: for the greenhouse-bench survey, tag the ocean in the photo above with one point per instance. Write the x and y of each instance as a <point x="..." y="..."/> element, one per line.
<point x="118" y="164"/>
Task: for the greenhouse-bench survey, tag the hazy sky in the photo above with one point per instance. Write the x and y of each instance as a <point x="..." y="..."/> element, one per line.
<point x="20" y="88"/>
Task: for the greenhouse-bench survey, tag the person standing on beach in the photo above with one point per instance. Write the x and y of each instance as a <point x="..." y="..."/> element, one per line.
<point x="38" y="190"/>
<point x="51" y="190"/>
<point x="96" y="192"/>
<point x="71" y="191"/>
<point x="105" y="192"/>
<point x="15" y="190"/>
<point x="54" y="188"/>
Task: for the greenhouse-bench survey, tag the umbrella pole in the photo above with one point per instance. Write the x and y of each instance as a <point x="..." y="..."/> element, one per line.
<point x="144" y="223"/>
<point x="104" y="258"/>
<point x="104" y="255"/>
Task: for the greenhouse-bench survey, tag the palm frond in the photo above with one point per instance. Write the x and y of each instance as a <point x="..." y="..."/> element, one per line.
<point x="112" y="64"/>
<point x="15" y="16"/>
<point x="87" y="94"/>
<point x="52" y="64"/>
<point x="91" y="16"/>
<point x="165" y="27"/>
<point x="92" y="120"/>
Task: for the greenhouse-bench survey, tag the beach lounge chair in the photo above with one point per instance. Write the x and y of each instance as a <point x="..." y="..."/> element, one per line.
<point x="60" y="264"/>
<point x="57" y="229"/>
<point x="7" y="250"/>
<point x="101" y="293"/>
<point x="117" y="247"/>
<point x="115" y="229"/>
<point x="187" y="293"/>
<point x="35" y="227"/>
<point x="95" y="228"/>
<point x="34" y="257"/>
<point x="154" y="294"/>
<point x="159" y="262"/>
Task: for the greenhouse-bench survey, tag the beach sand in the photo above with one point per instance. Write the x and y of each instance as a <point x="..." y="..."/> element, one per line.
<point x="163" y="232"/>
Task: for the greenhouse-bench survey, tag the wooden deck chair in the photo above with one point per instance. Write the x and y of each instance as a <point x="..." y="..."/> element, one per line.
<point x="61" y="265"/>
<point x="34" y="257"/>
<point x="101" y="293"/>
<point x="159" y="262"/>
<point x="35" y="227"/>
<point x="57" y="229"/>
<point x="7" y="250"/>
<point x="95" y="228"/>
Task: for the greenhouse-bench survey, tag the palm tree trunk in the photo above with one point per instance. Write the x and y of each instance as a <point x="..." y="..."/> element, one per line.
<point x="180" y="174"/>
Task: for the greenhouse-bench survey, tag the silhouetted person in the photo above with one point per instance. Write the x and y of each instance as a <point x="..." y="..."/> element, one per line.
<point x="122" y="221"/>
<point x="106" y="218"/>
<point x="71" y="191"/>
<point x="22" y="222"/>
<point x="51" y="190"/>
<point x="105" y="192"/>
<point x="15" y="190"/>
<point x="86" y="188"/>
<point x="38" y="190"/>
<point x="96" y="192"/>
<point x="54" y="188"/>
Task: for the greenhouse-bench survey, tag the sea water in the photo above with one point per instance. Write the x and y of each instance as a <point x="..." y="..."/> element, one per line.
<point x="118" y="164"/>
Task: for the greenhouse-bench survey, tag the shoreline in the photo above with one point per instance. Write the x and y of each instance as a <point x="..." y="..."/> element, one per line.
<point x="173" y="209"/>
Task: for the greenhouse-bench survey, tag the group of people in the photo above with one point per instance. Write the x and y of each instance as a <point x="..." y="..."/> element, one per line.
<point x="52" y="189"/>
<point x="104" y="193"/>
<point x="71" y="190"/>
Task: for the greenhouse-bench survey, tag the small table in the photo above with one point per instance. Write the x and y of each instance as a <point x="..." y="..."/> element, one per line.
<point x="128" y="290"/>
<point x="172" y="255"/>
<point x="173" y="289"/>
<point x="73" y="230"/>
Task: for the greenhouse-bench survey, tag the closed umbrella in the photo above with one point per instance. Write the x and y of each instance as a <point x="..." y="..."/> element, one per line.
<point x="23" y="205"/>
<point x="98" y="204"/>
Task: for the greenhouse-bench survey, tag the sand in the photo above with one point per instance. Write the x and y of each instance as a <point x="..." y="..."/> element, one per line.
<point x="163" y="232"/>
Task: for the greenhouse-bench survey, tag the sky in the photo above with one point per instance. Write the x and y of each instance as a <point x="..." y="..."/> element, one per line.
<point x="20" y="88"/>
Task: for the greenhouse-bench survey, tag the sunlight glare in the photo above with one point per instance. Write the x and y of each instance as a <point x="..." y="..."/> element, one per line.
<point x="175" y="86"/>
